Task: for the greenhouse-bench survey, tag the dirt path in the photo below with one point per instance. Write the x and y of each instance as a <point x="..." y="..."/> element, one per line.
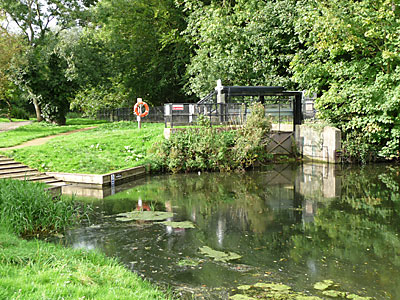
<point x="6" y="126"/>
<point x="43" y="140"/>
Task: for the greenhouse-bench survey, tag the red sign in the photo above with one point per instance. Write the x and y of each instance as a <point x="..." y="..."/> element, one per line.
<point x="177" y="107"/>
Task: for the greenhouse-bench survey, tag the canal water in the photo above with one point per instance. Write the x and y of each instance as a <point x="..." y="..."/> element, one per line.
<point x="296" y="225"/>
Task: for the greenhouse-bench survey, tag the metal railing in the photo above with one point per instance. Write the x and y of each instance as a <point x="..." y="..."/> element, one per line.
<point x="184" y="114"/>
<point x="156" y="114"/>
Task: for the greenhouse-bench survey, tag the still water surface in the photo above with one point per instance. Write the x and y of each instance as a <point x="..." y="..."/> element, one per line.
<point x="291" y="224"/>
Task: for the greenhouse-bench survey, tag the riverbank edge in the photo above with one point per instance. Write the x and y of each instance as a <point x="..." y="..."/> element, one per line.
<point x="37" y="269"/>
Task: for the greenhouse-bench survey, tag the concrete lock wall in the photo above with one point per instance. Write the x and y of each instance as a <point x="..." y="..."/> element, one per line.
<point x="319" y="144"/>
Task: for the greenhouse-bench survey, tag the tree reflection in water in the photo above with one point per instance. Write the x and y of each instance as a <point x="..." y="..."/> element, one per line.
<point x="302" y="224"/>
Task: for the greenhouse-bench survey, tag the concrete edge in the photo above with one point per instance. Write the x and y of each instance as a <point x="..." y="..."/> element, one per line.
<point x="118" y="177"/>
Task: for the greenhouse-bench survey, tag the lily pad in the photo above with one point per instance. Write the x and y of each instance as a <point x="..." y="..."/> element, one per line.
<point x="301" y="297"/>
<point x="185" y="224"/>
<point x="144" y="216"/>
<point x="240" y="297"/>
<point x="357" y="297"/>
<point x="334" y="294"/>
<point x="273" y="286"/>
<point x="244" y="287"/>
<point x="219" y="255"/>
<point x="323" y="285"/>
<point x="188" y="263"/>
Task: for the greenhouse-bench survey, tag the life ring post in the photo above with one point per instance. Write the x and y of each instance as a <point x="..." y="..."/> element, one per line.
<point x="139" y="112"/>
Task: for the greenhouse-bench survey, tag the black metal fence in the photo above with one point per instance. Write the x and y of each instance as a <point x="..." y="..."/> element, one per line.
<point x="156" y="114"/>
<point x="184" y="114"/>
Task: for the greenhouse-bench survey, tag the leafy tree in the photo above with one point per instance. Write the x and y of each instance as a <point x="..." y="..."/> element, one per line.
<point x="241" y="42"/>
<point x="49" y="79"/>
<point x="11" y="47"/>
<point x="36" y="19"/>
<point x="138" y="53"/>
<point x="352" y="61"/>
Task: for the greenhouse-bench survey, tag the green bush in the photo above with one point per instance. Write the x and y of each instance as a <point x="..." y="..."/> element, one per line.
<point x="19" y="113"/>
<point x="252" y="138"/>
<point x="26" y="208"/>
<point x="207" y="148"/>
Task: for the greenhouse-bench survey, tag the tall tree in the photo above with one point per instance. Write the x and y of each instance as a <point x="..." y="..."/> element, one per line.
<point x="241" y="42"/>
<point x="36" y="19"/>
<point x="11" y="48"/>
<point x="352" y="60"/>
<point x="143" y="55"/>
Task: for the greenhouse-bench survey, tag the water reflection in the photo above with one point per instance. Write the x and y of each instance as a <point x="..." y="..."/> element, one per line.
<point x="296" y="225"/>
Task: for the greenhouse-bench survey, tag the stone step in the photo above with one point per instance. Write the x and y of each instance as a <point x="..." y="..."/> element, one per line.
<point x="15" y="175"/>
<point x="3" y="158"/>
<point x="56" y="184"/>
<point x="8" y="162"/>
<point x="11" y="167"/>
<point x="49" y="181"/>
<point x="16" y="170"/>
<point x="40" y="177"/>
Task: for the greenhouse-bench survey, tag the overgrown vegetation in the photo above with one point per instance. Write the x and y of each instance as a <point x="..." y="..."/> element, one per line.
<point x="26" y="208"/>
<point x="209" y="148"/>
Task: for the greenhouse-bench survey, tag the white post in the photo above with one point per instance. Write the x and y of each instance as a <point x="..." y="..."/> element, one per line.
<point x="139" y="119"/>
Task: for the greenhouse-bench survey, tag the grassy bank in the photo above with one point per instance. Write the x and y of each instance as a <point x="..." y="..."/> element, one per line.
<point x="38" y="270"/>
<point x="107" y="148"/>
<point x="38" y="130"/>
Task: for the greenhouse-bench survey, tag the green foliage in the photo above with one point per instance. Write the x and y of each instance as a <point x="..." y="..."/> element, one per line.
<point x="43" y="77"/>
<point x="242" y="43"/>
<point x="11" y="48"/>
<point x="48" y="81"/>
<point x="19" y="113"/>
<point x="352" y="62"/>
<point x="132" y="49"/>
<point x="209" y="148"/>
<point x="26" y="208"/>
<point x="252" y="138"/>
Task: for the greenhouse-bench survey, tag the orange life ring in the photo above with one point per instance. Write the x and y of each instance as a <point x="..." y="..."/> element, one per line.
<point x="146" y="109"/>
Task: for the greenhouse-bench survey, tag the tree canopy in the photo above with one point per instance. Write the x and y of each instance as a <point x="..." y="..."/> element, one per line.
<point x="88" y="55"/>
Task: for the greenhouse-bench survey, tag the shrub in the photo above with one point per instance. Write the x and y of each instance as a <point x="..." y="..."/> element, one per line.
<point x="207" y="148"/>
<point x="252" y="138"/>
<point x="26" y="208"/>
<point x="19" y="113"/>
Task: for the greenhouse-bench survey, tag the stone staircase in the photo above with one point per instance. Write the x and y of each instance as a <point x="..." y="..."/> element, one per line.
<point x="11" y="169"/>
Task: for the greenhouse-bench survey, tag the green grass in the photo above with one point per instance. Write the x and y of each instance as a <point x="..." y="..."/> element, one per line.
<point x="107" y="148"/>
<point x="26" y="208"/>
<point x="38" y="270"/>
<point x="5" y="120"/>
<point x="38" y="130"/>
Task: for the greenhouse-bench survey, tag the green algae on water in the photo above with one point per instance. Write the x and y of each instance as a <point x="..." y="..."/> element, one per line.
<point x="323" y="285"/>
<point x="184" y="224"/>
<point x="219" y="255"/>
<point x="144" y="216"/>
<point x="276" y="291"/>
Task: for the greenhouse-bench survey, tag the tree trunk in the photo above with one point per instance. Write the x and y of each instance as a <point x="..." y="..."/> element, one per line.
<point x="38" y="111"/>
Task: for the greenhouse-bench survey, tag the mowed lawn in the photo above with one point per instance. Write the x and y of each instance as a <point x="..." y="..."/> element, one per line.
<point x="107" y="148"/>
<point x="37" y="130"/>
